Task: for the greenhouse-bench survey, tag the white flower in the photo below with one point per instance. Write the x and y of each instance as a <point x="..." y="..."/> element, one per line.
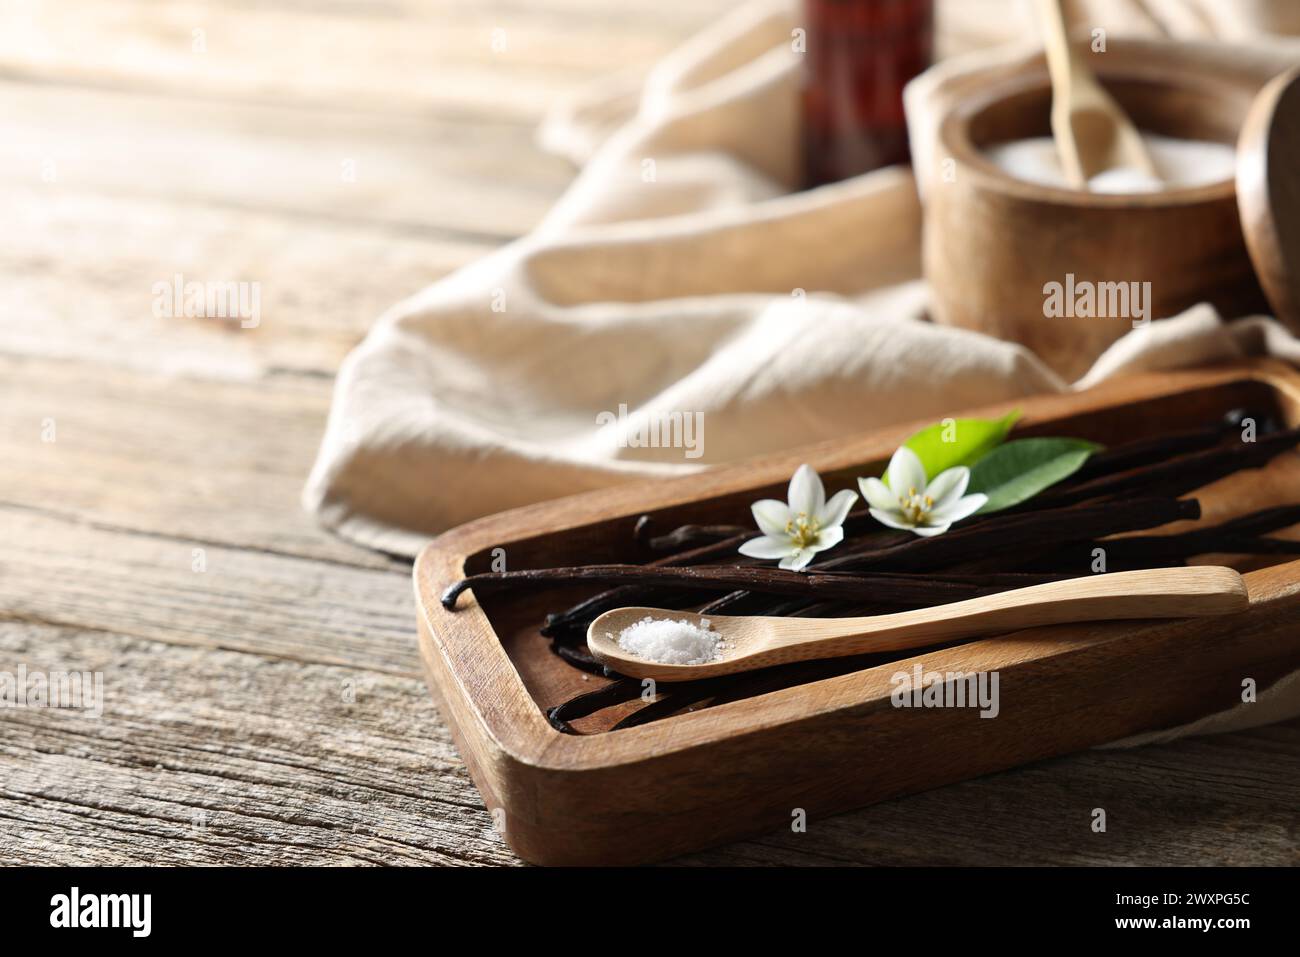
<point x="809" y="524"/>
<point x="910" y="503"/>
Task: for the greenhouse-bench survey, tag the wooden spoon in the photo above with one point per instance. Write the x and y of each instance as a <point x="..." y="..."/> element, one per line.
<point x="1093" y="134"/>
<point x="758" y="642"/>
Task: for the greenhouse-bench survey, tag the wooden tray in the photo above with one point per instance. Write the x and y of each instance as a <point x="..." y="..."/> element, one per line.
<point x="739" y="768"/>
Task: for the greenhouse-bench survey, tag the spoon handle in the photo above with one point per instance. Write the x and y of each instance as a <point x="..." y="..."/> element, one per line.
<point x="1061" y="62"/>
<point x="1152" y="593"/>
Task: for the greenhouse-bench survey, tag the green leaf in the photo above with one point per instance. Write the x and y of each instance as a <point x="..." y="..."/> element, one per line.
<point x="955" y="442"/>
<point x="1019" y="470"/>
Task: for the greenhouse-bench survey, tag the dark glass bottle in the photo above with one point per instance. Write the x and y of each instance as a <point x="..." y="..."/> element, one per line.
<point x="860" y="55"/>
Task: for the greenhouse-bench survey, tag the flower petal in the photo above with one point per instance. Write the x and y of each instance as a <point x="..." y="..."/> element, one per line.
<point x="906" y="472"/>
<point x="929" y="531"/>
<point x="959" y="509"/>
<point x="948" y="486"/>
<point x="772" y="516"/>
<point x="892" y="519"/>
<point x="807" y="494"/>
<point x="829" y="538"/>
<point x="767" y="547"/>
<point x="798" y="560"/>
<point x="877" y="494"/>
<point x="836" y="510"/>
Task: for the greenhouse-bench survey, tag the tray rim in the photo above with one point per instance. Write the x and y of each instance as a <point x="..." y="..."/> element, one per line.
<point x="463" y="655"/>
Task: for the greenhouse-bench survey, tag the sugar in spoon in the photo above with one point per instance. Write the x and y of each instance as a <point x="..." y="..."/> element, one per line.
<point x="750" y="642"/>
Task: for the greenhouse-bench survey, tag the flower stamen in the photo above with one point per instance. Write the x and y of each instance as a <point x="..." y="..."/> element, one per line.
<point x="803" y="531"/>
<point x="915" y="508"/>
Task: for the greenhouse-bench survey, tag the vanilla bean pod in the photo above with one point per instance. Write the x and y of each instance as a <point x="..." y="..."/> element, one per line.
<point x="1261" y="545"/>
<point x="671" y="699"/>
<point x="705" y="553"/>
<point x="676" y="698"/>
<point x="776" y="679"/>
<point x="685" y="535"/>
<point x="838" y="609"/>
<point x="1254" y="523"/>
<point x="1177" y="475"/>
<point x="1123" y="457"/>
<point x="1142" y="452"/>
<point x="799" y="608"/>
<point x="1237" y="536"/>
<point x="883" y="587"/>
<point x="793" y="609"/>
<point x="754" y="603"/>
<point x="588" y="703"/>
<point x="1044" y="528"/>
<point x="589" y="608"/>
<point x="579" y="657"/>
<point x="1149" y="551"/>
<point x="562" y="625"/>
<point x="868" y="542"/>
<point x="1016" y="530"/>
<point x="571" y="624"/>
<point x="732" y="603"/>
<point x="1240" y="530"/>
<point x="680" y="696"/>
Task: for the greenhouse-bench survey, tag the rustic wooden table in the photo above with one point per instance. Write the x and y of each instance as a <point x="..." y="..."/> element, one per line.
<point x="262" y="699"/>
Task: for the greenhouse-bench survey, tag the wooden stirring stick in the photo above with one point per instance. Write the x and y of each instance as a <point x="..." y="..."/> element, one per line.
<point x="1093" y="134"/>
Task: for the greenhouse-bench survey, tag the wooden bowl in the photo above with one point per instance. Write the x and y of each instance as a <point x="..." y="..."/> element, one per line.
<point x="992" y="242"/>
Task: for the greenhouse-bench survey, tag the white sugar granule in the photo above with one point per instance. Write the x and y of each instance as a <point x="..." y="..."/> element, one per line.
<point x="672" y="642"/>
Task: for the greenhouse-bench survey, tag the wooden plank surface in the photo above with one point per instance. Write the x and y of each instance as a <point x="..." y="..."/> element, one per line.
<point x="496" y="59"/>
<point x="320" y="283"/>
<point x="266" y="707"/>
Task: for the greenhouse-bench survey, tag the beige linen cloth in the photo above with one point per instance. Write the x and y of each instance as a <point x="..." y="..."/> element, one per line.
<point x="681" y="272"/>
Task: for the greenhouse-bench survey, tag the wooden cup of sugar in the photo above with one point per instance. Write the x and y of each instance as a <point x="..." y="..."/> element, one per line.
<point x="1066" y="272"/>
